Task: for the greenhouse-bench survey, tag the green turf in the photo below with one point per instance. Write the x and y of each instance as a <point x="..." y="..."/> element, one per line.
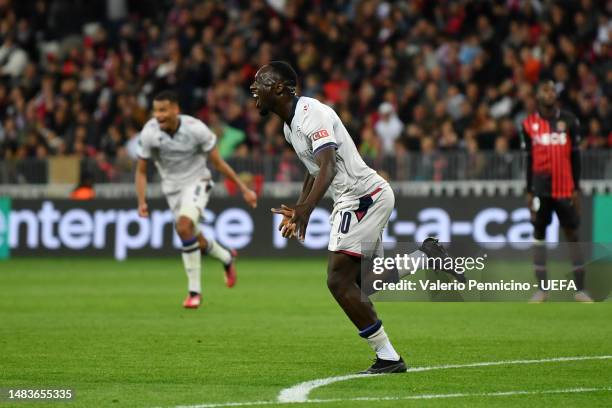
<point x="117" y="335"/>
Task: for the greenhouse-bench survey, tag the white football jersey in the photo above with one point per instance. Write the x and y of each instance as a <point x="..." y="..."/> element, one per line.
<point x="316" y="126"/>
<point x="180" y="158"/>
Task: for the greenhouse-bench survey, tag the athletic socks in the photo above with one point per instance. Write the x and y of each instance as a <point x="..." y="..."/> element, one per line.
<point x="216" y="250"/>
<point x="579" y="277"/>
<point x="578" y="264"/>
<point x="192" y="259"/>
<point x="539" y="264"/>
<point x="541" y="275"/>
<point x="379" y="342"/>
<point x="578" y="270"/>
<point x="539" y="261"/>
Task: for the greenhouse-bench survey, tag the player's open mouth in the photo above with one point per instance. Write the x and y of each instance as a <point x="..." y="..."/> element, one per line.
<point x="256" y="99"/>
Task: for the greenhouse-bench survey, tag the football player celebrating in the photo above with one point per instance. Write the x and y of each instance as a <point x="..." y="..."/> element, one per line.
<point x="551" y="138"/>
<point x="180" y="147"/>
<point x="363" y="200"/>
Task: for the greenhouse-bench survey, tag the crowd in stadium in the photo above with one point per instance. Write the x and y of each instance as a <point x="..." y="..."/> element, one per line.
<point x="78" y="78"/>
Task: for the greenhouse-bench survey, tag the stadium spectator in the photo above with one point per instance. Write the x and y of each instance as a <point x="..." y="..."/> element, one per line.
<point x="13" y="59"/>
<point x="370" y="144"/>
<point x="78" y="80"/>
<point x="475" y="160"/>
<point x="500" y="167"/>
<point x="388" y="128"/>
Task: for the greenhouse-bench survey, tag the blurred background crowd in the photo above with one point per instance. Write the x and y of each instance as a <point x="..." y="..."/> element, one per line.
<point x="77" y="76"/>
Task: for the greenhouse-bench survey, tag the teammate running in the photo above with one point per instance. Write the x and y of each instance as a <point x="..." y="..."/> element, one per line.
<point x="363" y="200"/>
<point x="180" y="146"/>
<point x="551" y="138"/>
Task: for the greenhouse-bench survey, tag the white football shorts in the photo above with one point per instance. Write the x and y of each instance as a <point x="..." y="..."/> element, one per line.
<point x="190" y="201"/>
<point x="357" y="226"/>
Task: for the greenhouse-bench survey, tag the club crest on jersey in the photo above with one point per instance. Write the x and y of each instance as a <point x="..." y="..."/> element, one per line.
<point x="320" y="134"/>
<point x="535" y="127"/>
<point x="561" y="126"/>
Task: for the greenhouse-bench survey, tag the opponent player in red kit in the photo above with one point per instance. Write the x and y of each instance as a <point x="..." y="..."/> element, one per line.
<point x="551" y="138"/>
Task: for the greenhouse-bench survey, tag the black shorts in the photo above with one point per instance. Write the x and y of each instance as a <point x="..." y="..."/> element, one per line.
<point x="564" y="207"/>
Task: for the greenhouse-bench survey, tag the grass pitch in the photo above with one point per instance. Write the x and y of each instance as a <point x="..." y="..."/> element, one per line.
<point x="116" y="333"/>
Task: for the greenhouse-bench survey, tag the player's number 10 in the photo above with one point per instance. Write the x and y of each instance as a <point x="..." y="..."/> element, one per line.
<point x="345" y="223"/>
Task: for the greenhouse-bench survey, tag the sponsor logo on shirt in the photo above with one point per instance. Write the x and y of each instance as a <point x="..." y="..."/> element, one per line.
<point x="320" y="135"/>
<point x="547" y="139"/>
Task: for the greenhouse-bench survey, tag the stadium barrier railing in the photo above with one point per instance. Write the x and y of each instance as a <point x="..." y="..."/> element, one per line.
<point x="411" y="174"/>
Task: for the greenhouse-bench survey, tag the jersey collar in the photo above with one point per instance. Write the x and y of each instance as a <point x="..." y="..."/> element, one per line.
<point x="555" y="115"/>
<point x="180" y="122"/>
<point x="293" y="108"/>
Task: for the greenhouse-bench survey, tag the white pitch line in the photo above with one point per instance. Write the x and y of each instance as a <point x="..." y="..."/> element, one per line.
<point x="299" y="392"/>
<point x="230" y="404"/>
<point x="408" y="397"/>
<point x="463" y="395"/>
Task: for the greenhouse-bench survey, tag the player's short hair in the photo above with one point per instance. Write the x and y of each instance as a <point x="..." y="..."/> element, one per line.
<point x="286" y="72"/>
<point x="169" y="96"/>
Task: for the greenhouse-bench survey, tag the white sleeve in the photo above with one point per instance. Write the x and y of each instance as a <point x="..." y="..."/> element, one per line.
<point x="317" y="125"/>
<point x="206" y="136"/>
<point x="287" y="133"/>
<point x="144" y="144"/>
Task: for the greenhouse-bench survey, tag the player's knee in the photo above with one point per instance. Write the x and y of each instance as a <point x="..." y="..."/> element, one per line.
<point x="338" y="282"/>
<point x="335" y="284"/>
<point x="202" y="241"/>
<point x="184" y="228"/>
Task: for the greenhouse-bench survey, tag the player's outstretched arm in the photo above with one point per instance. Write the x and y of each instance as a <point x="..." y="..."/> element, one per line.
<point x="326" y="159"/>
<point x="286" y="227"/>
<point x="221" y="165"/>
<point x="141" y="187"/>
<point x="306" y="188"/>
